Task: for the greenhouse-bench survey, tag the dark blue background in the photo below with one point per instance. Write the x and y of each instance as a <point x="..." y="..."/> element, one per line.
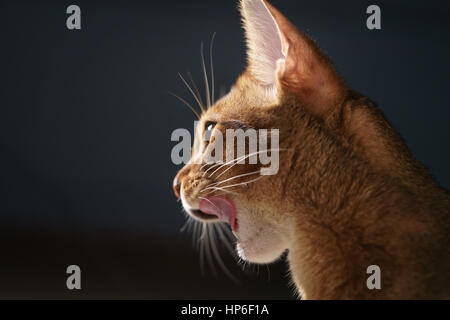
<point x="86" y="120"/>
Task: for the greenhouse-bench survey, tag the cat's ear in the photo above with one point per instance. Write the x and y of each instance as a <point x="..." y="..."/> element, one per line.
<point x="280" y="55"/>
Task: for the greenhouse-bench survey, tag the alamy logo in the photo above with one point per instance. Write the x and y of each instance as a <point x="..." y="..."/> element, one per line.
<point x="74" y="280"/>
<point x="74" y="20"/>
<point x="374" y="281"/>
<point x="237" y="146"/>
<point x="374" y="20"/>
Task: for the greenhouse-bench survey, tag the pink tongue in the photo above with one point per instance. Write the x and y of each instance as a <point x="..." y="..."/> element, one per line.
<point x="222" y="208"/>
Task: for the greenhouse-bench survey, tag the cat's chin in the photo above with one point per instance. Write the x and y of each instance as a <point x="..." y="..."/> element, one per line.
<point x="249" y="254"/>
<point x="253" y="252"/>
<point x="258" y="242"/>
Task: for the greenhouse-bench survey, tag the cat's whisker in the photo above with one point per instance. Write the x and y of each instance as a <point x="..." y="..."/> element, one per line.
<point x="203" y="166"/>
<point x="247" y="156"/>
<point x="238" y="184"/>
<point x="203" y="232"/>
<point x="243" y="183"/>
<point x="232" y="178"/>
<point x="197" y="92"/>
<point x="243" y="264"/>
<point x="194" y="232"/>
<point x="208" y="245"/>
<point x="227" y="231"/>
<point x="205" y="75"/>
<point x="186" y="103"/>
<point x="226" y="240"/>
<point x="241" y="158"/>
<point x="227" y="169"/>
<point x="212" y="167"/>
<point x="192" y="92"/>
<point x="218" y="189"/>
<point x="202" y="258"/>
<point x="216" y="254"/>
<point x="209" y="256"/>
<point x="186" y="225"/>
<point x="224" y="192"/>
<point x="214" y="185"/>
<point x="226" y="164"/>
<point x="199" y="231"/>
<point x="190" y="226"/>
<point x="212" y="67"/>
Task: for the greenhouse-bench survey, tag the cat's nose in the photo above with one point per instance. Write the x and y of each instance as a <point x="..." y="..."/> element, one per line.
<point x="176" y="187"/>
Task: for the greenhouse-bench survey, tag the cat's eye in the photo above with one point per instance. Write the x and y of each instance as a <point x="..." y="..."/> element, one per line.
<point x="209" y="127"/>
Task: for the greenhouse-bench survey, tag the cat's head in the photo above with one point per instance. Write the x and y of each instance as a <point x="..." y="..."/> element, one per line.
<point x="288" y="85"/>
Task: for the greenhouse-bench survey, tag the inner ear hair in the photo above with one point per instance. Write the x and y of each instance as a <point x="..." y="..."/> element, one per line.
<point x="279" y="54"/>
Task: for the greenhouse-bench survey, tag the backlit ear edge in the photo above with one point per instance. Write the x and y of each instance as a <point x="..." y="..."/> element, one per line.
<point x="265" y="43"/>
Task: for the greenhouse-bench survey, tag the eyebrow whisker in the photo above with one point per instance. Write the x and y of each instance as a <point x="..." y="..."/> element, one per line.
<point x="194" y="86"/>
<point x="192" y="92"/>
<point x="205" y="76"/>
<point x="186" y="103"/>
<point x="212" y="66"/>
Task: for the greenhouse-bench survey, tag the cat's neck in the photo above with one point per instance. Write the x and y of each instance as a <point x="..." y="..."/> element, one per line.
<point x="331" y="249"/>
<point x="352" y="217"/>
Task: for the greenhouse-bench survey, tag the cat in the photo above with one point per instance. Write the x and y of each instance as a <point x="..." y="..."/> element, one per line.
<point x="348" y="193"/>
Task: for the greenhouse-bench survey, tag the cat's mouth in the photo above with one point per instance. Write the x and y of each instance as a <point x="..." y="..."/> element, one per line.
<point x="199" y="214"/>
<point x="216" y="207"/>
